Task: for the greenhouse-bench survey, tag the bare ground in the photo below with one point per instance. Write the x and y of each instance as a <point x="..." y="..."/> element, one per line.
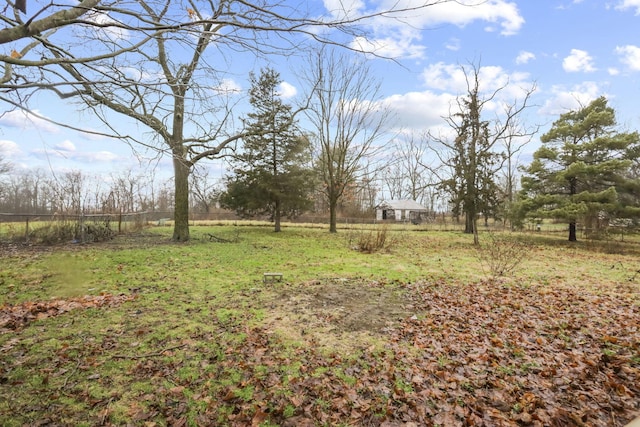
<point x="338" y="313"/>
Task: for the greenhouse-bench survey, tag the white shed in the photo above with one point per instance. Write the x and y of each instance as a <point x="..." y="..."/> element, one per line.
<point x="401" y="210"/>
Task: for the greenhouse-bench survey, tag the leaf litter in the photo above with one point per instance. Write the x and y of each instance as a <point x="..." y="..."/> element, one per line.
<point x="488" y="353"/>
<point x="353" y="352"/>
<point x="15" y="317"/>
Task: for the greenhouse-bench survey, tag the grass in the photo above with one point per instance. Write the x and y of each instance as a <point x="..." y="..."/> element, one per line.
<point x="174" y="346"/>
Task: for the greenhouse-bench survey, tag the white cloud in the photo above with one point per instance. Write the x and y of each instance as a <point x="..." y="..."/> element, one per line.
<point x="9" y="149"/>
<point x="140" y="75"/>
<point x="578" y="60"/>
<point x="67" y="150"/>
<point x="27" y="121"/>
<point x="564" y="99"/>
<point x="613" y="71"/>
<point x="453" y="78"/>
<point x="398" y="35"/>
<point x="101" y="156"/>
<point x="453" y="44"/>
<point x="419" y="110"/>
<point x="445" y="77"/>
<point x="228" y="86"/>
<point x="65" y="146"/>
<point x="344" y="9"/>
<point x="287" y="90"/>
<point x="524" y="57"/>
<point x="445" y="82"/>
<point x="106" y="27"/>
<point x="629" y="4"/>
<point x="390" y="47"/>
<point x="413" y="13"/>
<point x="630" y="56"/>
<point x="503" y="13"/>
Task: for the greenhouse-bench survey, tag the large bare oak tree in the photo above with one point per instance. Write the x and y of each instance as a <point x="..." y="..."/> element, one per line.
<point x="162" y="64"/>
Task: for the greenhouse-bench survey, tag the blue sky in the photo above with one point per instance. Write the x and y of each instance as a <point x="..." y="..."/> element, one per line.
<point x="572" y="50"/>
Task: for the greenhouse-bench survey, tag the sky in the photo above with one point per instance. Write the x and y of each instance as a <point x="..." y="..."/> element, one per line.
<point x="573" y="51"/>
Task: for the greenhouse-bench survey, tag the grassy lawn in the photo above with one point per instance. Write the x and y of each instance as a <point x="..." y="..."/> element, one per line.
<point x="140" y="331"/>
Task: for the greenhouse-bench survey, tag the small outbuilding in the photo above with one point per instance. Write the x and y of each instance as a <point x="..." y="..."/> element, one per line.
<point x="401" y="210"/>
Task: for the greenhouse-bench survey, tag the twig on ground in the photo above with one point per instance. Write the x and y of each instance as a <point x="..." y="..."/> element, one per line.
<point x="216" y="238"/>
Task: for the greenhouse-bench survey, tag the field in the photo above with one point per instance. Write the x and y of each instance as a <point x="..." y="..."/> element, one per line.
<point x="141" y="331"/>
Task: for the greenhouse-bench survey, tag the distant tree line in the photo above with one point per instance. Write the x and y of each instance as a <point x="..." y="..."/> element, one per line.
<point x="37" y="191"/>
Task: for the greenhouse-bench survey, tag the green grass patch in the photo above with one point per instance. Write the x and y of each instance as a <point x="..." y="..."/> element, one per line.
<point x="206" y="341"/>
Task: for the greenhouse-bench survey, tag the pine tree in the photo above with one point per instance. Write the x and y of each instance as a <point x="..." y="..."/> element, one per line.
<point x="581" y="171"/>
<point x="271" y="174"/>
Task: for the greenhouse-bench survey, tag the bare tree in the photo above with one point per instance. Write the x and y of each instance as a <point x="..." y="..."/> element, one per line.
<point x="516" y="138"/>
<point x="393" y="179"/>
<point x="414" y="170"/>
<point x="472" y="157"/>
<point x="204" y="189"/>
<point x="48" y="18"/>
<point x="348" y="121"/>
<point x="5" y="165"/>
<point x="28" y="191"/>
<point x="149" y="61"/>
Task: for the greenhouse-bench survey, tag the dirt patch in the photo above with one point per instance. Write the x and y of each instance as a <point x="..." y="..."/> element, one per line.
<point x="338" y="313"/>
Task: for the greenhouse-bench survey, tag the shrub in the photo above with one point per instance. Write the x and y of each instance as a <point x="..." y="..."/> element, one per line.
<point x="61" y="231"/>
<point x="369" y="241"/>
<point x="501" y="254"/>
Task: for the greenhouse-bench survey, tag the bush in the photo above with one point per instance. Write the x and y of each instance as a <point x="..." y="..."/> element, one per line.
<point x="369" y="241"/>
<point x="502" y="254"/>
<point x="65" y="231"/>
<point x="55" y="232"/>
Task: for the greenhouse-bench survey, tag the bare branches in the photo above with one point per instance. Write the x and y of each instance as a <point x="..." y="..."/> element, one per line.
<point x="157" y="63"/>
<point x="347" y="119"/>
<point x="473" y="155"/>
<point x="32" y="27"/>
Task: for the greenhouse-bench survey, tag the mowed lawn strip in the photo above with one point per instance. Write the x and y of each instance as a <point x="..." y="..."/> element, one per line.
<point x="417" y="332"/>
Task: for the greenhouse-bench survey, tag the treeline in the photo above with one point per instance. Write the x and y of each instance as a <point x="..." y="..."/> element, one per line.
<point x="38" y="191"/>
<point x="75" y="193"/>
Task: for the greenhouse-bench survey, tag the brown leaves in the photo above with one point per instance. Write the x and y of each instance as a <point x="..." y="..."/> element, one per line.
<point x="14" y="317"/>
<point x="528" y="354"/>
<point x="477" y="355"/>
<point x="484" y="354"/>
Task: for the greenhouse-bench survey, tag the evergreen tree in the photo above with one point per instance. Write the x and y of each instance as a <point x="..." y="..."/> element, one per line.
<point x="271" y="174"/>
<point x="582" y="170"/>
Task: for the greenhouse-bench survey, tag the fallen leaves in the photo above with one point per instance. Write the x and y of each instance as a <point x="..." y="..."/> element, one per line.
<point x="13" y="317"/>
<point x="482" y="354"/>
<point x="529" y="354"/>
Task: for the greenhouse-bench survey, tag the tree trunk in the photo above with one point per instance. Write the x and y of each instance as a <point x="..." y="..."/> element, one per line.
<point x="572" y="225"/>
<point x="333" y="205"/>
<point x="181" y="208"/>
<point x="276" y="217"/>
<point x="572" y="232"/>
<point x="476" y="238"/>
<point x="469" y="222"/>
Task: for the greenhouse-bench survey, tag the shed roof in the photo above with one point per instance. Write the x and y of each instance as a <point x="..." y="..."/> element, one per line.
<point x="410" y="205"/>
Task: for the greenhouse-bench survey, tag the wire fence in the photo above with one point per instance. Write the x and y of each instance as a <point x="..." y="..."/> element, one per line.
<point x="83" y="228"/>
<point x="55" y="228"/>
